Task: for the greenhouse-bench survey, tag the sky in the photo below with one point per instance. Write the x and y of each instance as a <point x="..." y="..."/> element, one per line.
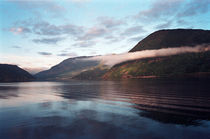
<point x="37" y="34"/>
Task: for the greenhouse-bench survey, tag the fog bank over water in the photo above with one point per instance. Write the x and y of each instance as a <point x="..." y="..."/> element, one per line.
<point x="113" y="59"/>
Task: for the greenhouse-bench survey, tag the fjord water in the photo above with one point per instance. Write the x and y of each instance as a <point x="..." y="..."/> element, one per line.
<point x="105" y="109"/>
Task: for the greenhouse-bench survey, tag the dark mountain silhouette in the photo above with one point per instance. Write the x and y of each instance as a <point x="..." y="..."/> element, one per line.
<point x="173" y="38"/>
<point x="12" y="73"/>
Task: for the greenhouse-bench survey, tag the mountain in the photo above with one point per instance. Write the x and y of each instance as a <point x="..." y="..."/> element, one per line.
<point x="179" y="65"/>
<point x="192" y="65"/>
<point x="173" y="38"/>
<point x="176" y="66"/>
<point x="92" y="74"/>
<point x="67" y="69"/>
<point x="12" y="73"/>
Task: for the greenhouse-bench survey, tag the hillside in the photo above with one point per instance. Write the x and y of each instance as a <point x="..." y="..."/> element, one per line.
<point x="92" y="74"/>
<point x="12" y="73"/>
<point x="180" y="65"/>
<point x="173" y="38"/>
<point x="67" y="69"/>
<point x="177" y="66"/>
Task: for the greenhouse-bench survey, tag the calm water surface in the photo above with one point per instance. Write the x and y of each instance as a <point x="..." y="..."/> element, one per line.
<point x="105" y="109"/>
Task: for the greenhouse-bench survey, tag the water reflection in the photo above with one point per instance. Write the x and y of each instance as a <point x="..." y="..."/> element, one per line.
<point x="105" y="109"/>
<point x="8" y="91"/>
<point x="185" y="102"/>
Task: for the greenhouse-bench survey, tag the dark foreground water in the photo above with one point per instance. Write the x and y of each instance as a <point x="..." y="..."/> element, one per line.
<point x="105" y="109"/>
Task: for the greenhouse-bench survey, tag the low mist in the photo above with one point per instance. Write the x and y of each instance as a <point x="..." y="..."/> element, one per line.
<point x="113" y="59"/>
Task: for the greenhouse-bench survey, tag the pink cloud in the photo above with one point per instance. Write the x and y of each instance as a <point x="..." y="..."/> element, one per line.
<point x="19" y="30"/>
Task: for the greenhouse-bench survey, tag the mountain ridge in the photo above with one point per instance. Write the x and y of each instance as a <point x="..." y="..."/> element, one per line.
<point x="67" y="68"/>
<point x="180" y="65"/>
<point x="13" y="73"/>
<point x="78" y="68"/>
<point x="173" y="38"/>
<point x="188" y="65"/>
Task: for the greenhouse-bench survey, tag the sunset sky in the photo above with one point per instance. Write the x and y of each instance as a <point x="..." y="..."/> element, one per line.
<point x="37" y="34"/>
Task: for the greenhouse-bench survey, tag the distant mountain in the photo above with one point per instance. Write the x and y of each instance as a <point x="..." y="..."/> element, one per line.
<point x="173" y="38"/>
<point x="67" y="69"/>
<point x="180" y="65"/>
<point x="12" y="73"/>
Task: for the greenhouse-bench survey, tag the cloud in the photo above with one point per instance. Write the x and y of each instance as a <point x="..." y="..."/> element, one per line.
<point x="85" y="43"/>
<point x="79" y="1"/>
<point x="43" y="28"/>
<point x="165" y="25"/>
<point x="113" y="39"/>
<point x="136" y="39"/>
<point x="160" y="8"/>
<point x="47" y="29"/>
<point x="182" y="22"/>
<point x="93" y="32"/>
<point x="68" y="54"/>
<point x="111" y="60"/>
<point x="19" y="30"/>
<point x="195" y="7"/>
<point x="45" y="53"/>
<point x="83" y="36"/>
<point x="47" y="6"/>
<point x="173" y="9"/>
<point x="48" y="40"/>
<point x="104" y="28"/>
<point x="16" y="47"/>
<point x="109" y="22"/>
<point x="133" y="30"/>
